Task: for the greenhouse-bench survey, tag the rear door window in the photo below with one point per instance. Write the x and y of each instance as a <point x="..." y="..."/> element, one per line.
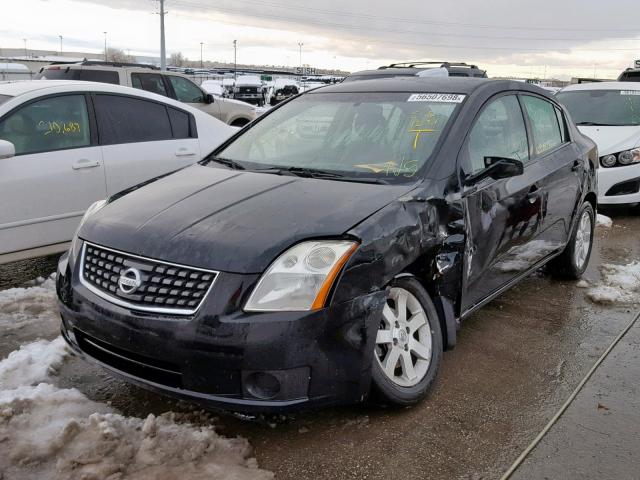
<point x="104" y="76"/>
<point x="181" y="124"/>
<point x="54" y="123"/>
<point x="130" y="120"/>
<point x="151" y="82"/>
<point x="544" y="124"/>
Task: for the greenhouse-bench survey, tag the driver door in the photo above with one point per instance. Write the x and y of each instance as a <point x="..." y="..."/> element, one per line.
<point x="504" y="216"/>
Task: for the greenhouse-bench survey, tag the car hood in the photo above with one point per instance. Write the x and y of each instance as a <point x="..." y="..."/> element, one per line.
<point x="612" y="139"/>
<point x="230" y="220"/>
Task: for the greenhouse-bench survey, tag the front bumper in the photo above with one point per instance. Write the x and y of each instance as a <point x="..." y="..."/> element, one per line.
<point x="223" y="357"/>
<point x="608" y="178"/>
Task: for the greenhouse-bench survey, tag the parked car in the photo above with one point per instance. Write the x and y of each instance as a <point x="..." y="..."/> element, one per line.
<point x="609" y="113"/>
<point x="250" y="89"/>
<point x="66" y="144"/>
<point x="283" y="89"/>
<point x="147" y="77"/>
<point x="417" y="69"/>
<point x="306" y="263"/>
<point x="630" y="75"/>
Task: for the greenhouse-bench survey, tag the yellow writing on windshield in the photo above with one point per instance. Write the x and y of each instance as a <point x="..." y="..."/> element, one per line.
<point x="58" y="128"/>
<point x="422" y="122"/>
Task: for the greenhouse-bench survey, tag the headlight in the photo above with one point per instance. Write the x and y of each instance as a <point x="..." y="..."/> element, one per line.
<point x="627" y="157"/>
<point x="608" y="160"/>
<point x="301" y="278"/>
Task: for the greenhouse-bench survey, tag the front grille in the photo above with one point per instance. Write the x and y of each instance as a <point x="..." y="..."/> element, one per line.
<point x="248" y="90"/>
<point x="164" y="287"/>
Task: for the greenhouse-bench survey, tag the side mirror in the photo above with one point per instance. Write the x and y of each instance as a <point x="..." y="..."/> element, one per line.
<point x="7" y="149"/>
<point x="497" y="168"/>
<point x="209" y="98"/>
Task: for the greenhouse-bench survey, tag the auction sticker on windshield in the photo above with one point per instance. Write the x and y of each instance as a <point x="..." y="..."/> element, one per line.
<point x="437" y="97"/>
<point x="629" y="92"/>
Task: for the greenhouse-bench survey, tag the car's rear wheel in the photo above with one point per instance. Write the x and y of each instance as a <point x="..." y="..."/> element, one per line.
<point x="240" y="122"/>
<point x="408" y="346"/>
<point x="573" y="261"/>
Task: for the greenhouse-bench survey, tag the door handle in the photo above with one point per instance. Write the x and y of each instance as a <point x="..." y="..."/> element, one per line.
<point x="184" y="152"/>
<point x="576" y="166"/>
<point x="85" y="163"/>
<point x="534" y="194"/>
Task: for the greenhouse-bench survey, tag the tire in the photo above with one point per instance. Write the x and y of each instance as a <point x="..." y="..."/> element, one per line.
<point x="421" y="346"/>
<point x="573" y="261"/>
<point x="241" y="122"/>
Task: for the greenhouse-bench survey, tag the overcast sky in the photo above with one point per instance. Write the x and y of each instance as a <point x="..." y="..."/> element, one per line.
<point x="522" y="38"/>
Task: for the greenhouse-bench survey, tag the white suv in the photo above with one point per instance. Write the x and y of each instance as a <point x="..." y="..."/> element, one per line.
<point x="169" y="84"/>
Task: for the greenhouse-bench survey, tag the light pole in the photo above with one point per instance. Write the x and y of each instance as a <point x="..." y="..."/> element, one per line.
<point x="25" y="48"/>
<point x="235" y="62"/>
<point x="201" y="64"/>
<point x="300" y="44"/>
<point x="163" y="53"/>
<point x="60" y="44"/>
<point x="105" y="47"/>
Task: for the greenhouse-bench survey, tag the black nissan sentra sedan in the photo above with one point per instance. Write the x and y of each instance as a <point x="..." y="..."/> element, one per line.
<point x="330" y="250"/>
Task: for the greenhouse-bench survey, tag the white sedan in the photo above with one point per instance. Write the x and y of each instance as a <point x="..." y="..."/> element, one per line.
<point x="66" y="144"/>
<point x="609" y="113"/>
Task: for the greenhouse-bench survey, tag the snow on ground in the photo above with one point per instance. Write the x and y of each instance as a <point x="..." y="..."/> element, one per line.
<point x="603" y="221"/>
<point x="620" y="284"/>
<point x="34" y="304"/>
<point x="47" y="432"/>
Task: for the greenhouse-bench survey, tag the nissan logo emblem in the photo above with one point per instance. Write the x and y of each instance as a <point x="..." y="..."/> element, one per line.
<point x="129" y="281"/>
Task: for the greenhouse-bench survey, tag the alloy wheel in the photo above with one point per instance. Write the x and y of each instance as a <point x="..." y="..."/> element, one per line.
<point x="583" y="240"/>
<point x="404" y="342"/>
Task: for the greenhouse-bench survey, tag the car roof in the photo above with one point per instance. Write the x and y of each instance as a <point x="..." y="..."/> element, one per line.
<point x="602" y="86"/>
<point x="413" y="84"/>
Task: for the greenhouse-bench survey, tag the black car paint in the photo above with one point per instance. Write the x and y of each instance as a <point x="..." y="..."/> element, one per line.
<point x="238" y="222"/>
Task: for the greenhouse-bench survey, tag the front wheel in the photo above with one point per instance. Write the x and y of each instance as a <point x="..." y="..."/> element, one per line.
<point x="573" y="261"/>
<point x="408" y="346"/>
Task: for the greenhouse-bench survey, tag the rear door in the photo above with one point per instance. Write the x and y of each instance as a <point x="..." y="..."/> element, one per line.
<point x="56" y="174"/>
<point x="505" y="216"/>
<point x="142" y="139"/>
<point x="560" y="159"/>
<point x="150" y="82"/>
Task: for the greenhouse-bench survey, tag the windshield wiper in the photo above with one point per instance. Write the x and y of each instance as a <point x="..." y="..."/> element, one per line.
<point x="227" y="162"/>
<point x="315" y="173"/>
<point x="595" y="124"/>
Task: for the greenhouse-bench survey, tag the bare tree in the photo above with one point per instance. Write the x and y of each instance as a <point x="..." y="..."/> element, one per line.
<point x="116" y="55"/>
<point x="177" y="59"/>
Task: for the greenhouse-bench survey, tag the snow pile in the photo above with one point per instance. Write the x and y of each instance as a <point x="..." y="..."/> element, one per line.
<point x="603" y="221"/>
<point x="621" y="284"/>
<point x="23" y="306"/>
<point x="54" y="433"/>
<point x="32" y="364"/>
<point x="522" y="257"/>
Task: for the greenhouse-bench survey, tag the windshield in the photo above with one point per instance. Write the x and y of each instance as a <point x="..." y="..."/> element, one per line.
<point x="386" y="136"/>
<point x="603" y="107"/>
<point x="4" y="98"/>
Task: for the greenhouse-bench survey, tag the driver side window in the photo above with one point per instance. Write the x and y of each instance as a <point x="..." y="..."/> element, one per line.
<point x="186" y="90"/>
<point x="499" y="131"/>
